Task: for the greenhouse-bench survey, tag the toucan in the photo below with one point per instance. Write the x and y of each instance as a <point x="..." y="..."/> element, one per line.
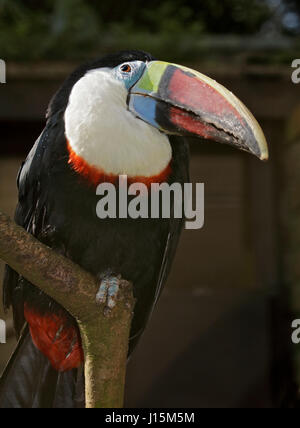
<point x="123" y="114"/>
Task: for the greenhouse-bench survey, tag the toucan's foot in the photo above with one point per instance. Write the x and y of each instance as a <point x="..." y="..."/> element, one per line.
<point x="108" y="292"/>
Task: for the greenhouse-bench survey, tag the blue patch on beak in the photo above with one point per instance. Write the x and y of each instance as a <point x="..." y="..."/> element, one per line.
<point x="146" y="108"/>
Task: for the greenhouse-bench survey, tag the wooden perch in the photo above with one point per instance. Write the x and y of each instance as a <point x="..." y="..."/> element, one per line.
<point x="105" y="339"/>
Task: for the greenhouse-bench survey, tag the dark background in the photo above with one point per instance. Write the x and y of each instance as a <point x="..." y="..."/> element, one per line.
<point x="221" y="335"/>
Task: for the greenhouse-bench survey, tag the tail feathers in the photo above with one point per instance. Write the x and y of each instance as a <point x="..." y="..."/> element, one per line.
<point x="29" y="381"/>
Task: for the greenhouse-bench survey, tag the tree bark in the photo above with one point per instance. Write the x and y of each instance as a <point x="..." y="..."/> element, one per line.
<point x="105" y="338"/>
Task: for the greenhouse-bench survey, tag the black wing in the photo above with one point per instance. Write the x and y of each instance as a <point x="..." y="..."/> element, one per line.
<point x="181" y="165"/>
<point x="30" y="214"/>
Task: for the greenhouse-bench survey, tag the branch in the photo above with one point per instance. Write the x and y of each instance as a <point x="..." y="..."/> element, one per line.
<point x="105" y="339"/>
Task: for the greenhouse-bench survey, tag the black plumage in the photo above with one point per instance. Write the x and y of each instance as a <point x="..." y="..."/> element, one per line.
<point x="58" y="206"/>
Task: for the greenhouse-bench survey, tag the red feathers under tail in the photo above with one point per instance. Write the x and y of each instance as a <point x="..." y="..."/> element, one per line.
<point x="59" y="341"/>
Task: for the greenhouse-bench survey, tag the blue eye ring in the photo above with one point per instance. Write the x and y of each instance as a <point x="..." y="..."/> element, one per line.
<point x="126" y="68"/>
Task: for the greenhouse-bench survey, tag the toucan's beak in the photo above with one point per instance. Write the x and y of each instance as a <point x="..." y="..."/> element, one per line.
<point x="181" y="101"/>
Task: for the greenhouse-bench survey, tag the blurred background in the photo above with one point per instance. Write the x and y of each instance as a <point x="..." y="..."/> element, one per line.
<point x="221" y="333"/>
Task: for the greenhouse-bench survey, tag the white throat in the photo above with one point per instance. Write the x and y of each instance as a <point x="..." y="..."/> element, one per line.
<point x="106" y="135"/>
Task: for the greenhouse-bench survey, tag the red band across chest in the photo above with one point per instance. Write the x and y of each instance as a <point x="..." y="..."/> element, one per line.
<point x="95" y="176"/>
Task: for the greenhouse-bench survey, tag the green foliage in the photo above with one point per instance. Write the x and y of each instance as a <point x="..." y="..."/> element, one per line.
<point x="77" y="29"/>
<point x="62" y="30"/>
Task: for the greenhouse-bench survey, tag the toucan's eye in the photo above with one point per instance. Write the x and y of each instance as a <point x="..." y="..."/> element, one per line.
<point x="125" y="68"/>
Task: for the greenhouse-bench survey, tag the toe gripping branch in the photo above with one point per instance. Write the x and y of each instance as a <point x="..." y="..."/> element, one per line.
<point x="108" y="292"/>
